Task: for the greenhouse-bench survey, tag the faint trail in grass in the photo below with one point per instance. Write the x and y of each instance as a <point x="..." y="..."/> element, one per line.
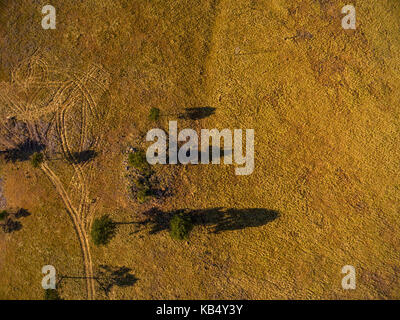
<point x="71" y="91"/>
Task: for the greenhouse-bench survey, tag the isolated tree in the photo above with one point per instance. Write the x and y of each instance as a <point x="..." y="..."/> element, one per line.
<point x="3" y="215"/>
<point x="103" y="229"/>
<point x="36" y="159"/>
<point x="143" y="190"/>
<point x="138" y="160"/>
<point x="180" y="226"/>
<point x="154" y="114"/>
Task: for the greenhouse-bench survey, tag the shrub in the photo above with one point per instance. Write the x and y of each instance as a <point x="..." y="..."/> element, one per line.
<point x="154" y="114"/>
<point x="51" y="294"/>
<point x="37" y="159"/>
<point x="180" y="226"/>
<point x="3" y="215"/>
<point x="103" y="229"/>
<point x="138" y="160"/>
<point x="142" y="195"/>
<point x="143" y="190"/>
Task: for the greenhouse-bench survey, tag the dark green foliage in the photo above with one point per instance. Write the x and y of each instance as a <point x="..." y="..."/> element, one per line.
<point x="180" y="226"/>
<point x="103" y="229"/>
<point x="138" y="160"/>
<point x="51" y="294"/>
<point x="3" y="215"/>
<point x="36" y="159"/>
<point x="143" y="190"/>
<point x="154" y="114"/>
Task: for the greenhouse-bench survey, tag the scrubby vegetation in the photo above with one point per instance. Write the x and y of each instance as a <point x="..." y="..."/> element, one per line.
<point x="103" y="230"/>
<point x="324" y="106"/>
<point x="3" y="215"/>
<point x="143" y="190"/>
<point x="138" y="161"/>
<point x="180" y="226"/>
<point x="36" y="159"/>
<point x="154" y="114"/>
<point x="141" y="178"/>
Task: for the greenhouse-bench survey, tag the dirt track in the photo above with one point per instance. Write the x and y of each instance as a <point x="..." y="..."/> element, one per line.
<point x="78" y="92"/>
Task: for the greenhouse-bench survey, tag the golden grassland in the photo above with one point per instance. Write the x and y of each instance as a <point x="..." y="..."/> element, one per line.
<point x="326" y="119"/>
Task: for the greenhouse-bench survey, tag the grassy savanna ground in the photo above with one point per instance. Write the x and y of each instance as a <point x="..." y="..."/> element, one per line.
<point x="326" y="118"/>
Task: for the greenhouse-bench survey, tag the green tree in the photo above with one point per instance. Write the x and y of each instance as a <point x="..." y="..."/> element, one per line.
<point x="138" y="160"/>
<point x="36" y="159"/>
<point x="143" y="190"/>
<point x="180" y="226"/>
<point x="103" y="229"/>
<point x="3" y="215"/>
<point x="154" y="114"/>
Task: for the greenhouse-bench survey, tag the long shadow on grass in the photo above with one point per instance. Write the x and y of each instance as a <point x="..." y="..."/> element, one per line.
<point x="218" y="219"/>
<point x="107" y="277"/>
<point x="9" y="219"/>
<point x="23" y="151"/>
<point x="83" y="156"/>
<point x="197" y="113"/>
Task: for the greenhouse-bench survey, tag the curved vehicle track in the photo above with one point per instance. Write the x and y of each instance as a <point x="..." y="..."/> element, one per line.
<point x="76" y="90"/>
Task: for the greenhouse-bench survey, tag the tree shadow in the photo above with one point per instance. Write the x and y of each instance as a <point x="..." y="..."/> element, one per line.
<point x="10" y="218"/>
<point x="23" y="151"/>
<point x="10" y="225"/>
<point x="106" y="277"/>
<point x="83" y="156"/>
<point x="212" y="150"/>
<point x="233" y="219"/>
<point x="22" y="213"/>
<point x="218" y="219"/>
<point x="109" y="276"/>
<point x="197" y="113"/>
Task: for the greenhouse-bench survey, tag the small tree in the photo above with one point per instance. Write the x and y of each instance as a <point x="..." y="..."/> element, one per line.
<point x="103" y="229"/>
<point x="138" y="160"/>
<point x="154" y="114"/>
<point x="37" y="159"/>
<point x="143" y="190"/>
<point x="180" y="226"/>
<point x="3" y="215"/>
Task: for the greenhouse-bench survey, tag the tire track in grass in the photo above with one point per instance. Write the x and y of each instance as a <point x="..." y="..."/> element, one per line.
<point x="76" y="89"/>
<point x="82" y="235"/>
<point x="84" y="195"/>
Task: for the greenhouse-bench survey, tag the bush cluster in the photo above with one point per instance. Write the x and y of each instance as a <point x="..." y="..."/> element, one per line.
<point x="103" y="229"/>
<point x="36" y="159"/>
<point x="180" y="226"/>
